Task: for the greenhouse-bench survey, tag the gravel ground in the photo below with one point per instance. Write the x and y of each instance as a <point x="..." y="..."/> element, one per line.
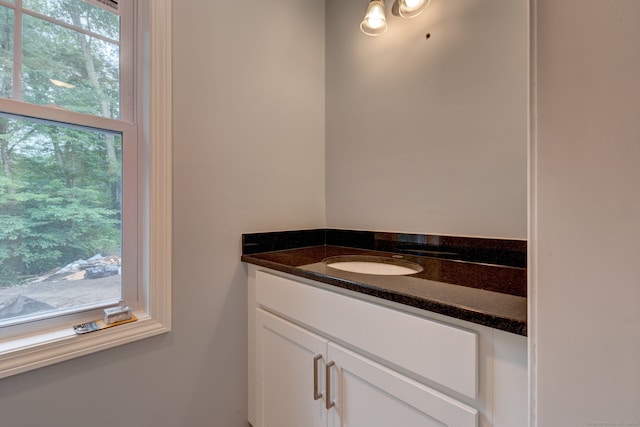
<point x="66" y="293"/>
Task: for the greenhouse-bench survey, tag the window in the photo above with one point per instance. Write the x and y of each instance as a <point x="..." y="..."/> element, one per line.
<point x="84" y="184"/>
<point x="61" y="184"/>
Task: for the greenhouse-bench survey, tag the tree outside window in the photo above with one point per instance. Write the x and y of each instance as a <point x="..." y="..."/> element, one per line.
<point x="60" y="183"/>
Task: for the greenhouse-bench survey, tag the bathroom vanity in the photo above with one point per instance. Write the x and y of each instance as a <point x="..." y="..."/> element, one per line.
<point x="338" y="348"/>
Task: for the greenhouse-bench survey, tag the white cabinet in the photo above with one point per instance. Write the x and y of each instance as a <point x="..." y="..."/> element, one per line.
<point x="379" y="365"/>
<point x="369" y="394"/>
<point x="286" y="377"/>
<point x="305" y="380"/>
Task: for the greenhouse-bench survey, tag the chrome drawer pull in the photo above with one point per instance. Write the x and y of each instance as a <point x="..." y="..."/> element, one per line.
<point x="329" y="404"/>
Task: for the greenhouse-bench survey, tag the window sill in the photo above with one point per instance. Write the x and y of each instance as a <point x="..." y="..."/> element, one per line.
<point x="27" y="353"/>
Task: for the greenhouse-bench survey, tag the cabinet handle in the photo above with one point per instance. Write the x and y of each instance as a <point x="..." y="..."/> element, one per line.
<point x="329" y="404"/>
<point x="316" y="395"/>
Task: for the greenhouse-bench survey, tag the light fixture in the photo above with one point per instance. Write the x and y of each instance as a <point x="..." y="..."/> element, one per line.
<point x="375" y="21"/>
<point x="412" y="8"/>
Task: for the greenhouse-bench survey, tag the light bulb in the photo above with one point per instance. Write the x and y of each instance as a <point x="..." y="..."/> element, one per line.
<point x="412" y="8"/>
<point x="375" y="21"/>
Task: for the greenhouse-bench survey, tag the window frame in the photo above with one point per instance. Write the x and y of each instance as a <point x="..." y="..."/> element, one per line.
<point x="55" y="343"/>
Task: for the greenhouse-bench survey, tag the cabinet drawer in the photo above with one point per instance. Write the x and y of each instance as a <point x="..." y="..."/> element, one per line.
<point x="441" y="353"/>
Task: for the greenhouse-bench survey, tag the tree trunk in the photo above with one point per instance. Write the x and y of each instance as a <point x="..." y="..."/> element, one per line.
<point x="4" y="151"/>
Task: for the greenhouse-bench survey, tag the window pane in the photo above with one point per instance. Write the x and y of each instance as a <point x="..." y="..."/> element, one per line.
<point x="80" y="14"/>
<point x="60" y="217"/>
<point x="68" y="69"/>
<point x="6" y="52"/>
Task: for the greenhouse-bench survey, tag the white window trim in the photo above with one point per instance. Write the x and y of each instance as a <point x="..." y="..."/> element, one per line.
<point x="154" y="315"/>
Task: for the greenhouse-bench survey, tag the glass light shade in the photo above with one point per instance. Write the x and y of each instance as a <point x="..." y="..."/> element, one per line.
<point x="411" y="8"/>
<point x="375" y="21"/>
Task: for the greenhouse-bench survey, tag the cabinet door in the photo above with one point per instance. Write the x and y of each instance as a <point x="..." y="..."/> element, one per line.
<point x="286" y="356"/>
<point x="366" y="393"/>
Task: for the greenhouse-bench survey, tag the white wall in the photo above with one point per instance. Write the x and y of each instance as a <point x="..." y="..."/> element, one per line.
<point x="248" y="156"/>
<point x="429" y="136"/>
<point x="586" y="319"/>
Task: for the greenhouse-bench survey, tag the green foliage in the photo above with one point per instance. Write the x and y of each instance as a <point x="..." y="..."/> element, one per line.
<point x="55" y="53"/>
<point x="59" y="185"/>
<point x="57" y="206"/>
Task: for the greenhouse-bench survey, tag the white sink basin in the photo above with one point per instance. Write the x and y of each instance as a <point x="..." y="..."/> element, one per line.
<point x="366" y="264"/>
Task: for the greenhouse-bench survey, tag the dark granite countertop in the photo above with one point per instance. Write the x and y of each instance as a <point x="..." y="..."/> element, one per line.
<point x="487" y="286"/>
